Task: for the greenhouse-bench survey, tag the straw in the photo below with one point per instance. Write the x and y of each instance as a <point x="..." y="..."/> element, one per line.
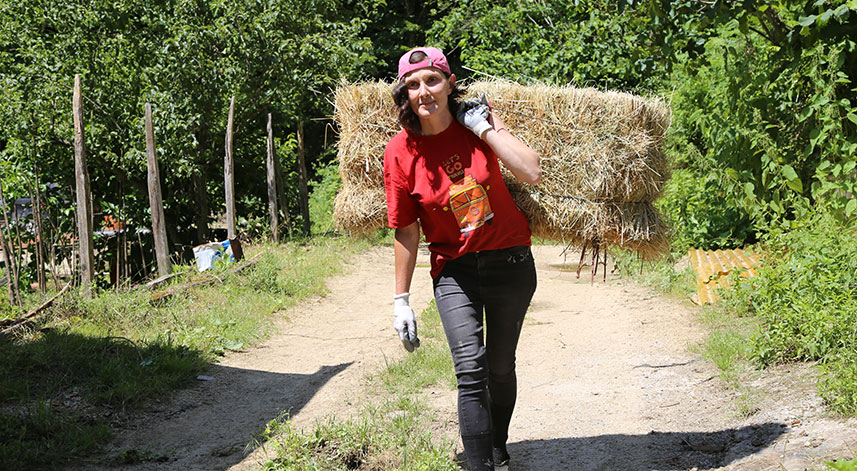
<point x="601" y="155"/>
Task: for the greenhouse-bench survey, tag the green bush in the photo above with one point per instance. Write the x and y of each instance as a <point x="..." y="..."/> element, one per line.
<point x="806" y="297"/>
<point x="700" y="215"/>
<point x="321" y="199"/>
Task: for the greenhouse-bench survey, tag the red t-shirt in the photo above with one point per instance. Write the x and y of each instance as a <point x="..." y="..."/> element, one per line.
<point x="452" y="183"/>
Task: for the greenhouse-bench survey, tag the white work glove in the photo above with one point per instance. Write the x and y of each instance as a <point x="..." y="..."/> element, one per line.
<point x="405" y="322"/>
<point x="473" y="114"/>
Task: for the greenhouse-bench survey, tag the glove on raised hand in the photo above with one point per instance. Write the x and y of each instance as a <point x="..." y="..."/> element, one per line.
<point x="473" y="114"/>
<point x="405" y="322"/>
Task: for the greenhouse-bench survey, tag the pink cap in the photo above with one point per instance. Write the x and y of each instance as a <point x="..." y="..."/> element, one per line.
<point x="434" y="58"/>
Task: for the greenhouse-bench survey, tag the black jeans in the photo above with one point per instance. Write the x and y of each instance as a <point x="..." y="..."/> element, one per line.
<point x="500" y="284"/>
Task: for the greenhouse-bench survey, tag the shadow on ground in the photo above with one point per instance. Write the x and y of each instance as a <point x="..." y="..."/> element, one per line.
<point x="211" y="426"/>
<point x="653" y="451"/>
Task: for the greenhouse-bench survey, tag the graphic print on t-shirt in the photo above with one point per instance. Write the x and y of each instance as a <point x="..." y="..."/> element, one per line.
<point x="469" y="202"/>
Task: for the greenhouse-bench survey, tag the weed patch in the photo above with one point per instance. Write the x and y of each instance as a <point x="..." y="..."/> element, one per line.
<point x="806" y="298"/>
<point x="660" y="274"/>
<point x="39" y="434"/>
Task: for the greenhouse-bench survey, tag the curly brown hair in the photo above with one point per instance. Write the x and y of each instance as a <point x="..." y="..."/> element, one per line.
<point x="407" y="118"/>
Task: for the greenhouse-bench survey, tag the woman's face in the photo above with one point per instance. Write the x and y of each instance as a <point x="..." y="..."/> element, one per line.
<point x="428" y="91"/>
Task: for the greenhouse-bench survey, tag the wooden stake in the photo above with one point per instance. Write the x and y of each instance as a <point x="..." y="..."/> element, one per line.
<point x="40" y="255"/>
<point x="142" y="255"/>
<point x="272" y="183"/>
<point x="14" y="296"/>
<point x="595" y="253"/>
<point x="605" y="266"/>
<point x="118" y="268"/>
<point x="229" y="175"/>
<point x="40" y="234"/>
<point x="582" y="254"/>
<point x="52" y="266"/>
<point x="283" y="205"/>
<point x="304" y="194"/>
<point x="84" y="197"/>
<point x="35" y="203"/>
<point x="156" y="203"/>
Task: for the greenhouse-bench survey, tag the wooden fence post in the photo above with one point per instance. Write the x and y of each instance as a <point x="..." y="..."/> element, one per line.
<point x="304" y="194"/>
<point x="229" y="175"/>
<point x="11" y="271"/>
<point x="282" y="204"/>
<point x="84" y="197"/>
<point x="40" y="234"/>
<point x="156" y="202"/>
<point x="272" y="184"/>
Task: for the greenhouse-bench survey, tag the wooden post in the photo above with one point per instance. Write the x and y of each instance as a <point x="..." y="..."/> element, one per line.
<point x="282" y="204"/>
<point x="304" y="194"/>
<point x="10" y="272"/>
<point x="142" y="255"/>
<point x="14" y="295"/>
<point x="272" y="184"/>
<point x="84" y="197"/>
<point x="156" y="203"/>
<point x="20" y="252"/>
<point x="40" y="234"/>
<point x="229" y="175"/>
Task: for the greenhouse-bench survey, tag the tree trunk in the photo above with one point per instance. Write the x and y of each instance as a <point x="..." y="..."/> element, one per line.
<point x="40" y="234"/>
<point x="304" y="194"/>
<point x="84" y="197"/>
<point x="34" y="247"/>
<point x="14" y="295"/>
<point x="271" y="162"/>
<point x="281" y="198"/>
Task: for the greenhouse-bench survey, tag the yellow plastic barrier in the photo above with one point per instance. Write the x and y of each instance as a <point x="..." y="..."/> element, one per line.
<point x="712" y="268"/>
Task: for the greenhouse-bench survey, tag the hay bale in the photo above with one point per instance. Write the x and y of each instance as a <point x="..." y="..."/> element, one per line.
<point x="601" y="155"/>
<point x="598" y="146"/>
<point x="358" y="210"/>
<point x="366" y="116"/>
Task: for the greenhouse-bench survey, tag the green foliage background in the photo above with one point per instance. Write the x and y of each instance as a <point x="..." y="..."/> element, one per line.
<point x="763" y="92"/>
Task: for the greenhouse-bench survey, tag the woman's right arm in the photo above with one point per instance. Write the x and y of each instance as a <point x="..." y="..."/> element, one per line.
<point x="407" y="241"/>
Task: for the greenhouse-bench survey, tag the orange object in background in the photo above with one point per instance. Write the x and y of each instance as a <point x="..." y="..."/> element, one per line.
<point x="112" y="224"/>
<point x="712" y="268"/>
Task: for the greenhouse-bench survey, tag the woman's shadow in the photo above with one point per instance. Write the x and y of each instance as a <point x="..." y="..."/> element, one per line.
<point x="649" y="452"/>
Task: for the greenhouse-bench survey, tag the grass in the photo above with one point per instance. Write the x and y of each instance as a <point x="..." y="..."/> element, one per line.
<point x="391" y="432"/>
<point x="429" y="365"/>
<point x="661" y="274"/>
<point x="120" y="349"/>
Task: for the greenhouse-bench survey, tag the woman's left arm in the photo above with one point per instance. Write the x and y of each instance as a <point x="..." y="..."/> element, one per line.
<point x="522" y="161"/>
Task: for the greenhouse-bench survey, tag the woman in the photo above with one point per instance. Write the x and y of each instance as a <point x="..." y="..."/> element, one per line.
<point x="445" y="175"/>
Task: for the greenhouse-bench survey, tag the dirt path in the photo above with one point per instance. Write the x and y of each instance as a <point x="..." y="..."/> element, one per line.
<point x="606" y="380"/>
